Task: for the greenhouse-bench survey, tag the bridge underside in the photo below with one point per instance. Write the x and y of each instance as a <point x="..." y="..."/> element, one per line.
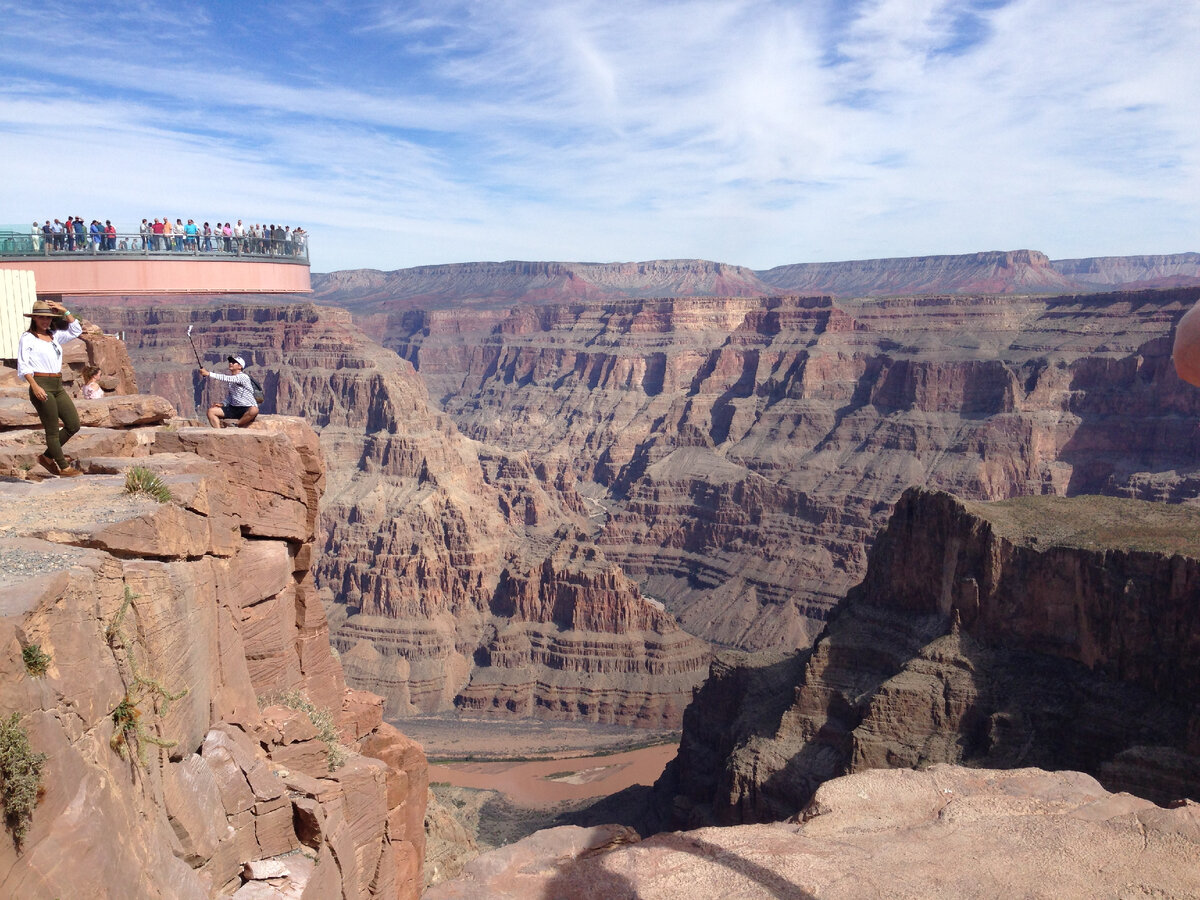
<point x="88" y="275"/>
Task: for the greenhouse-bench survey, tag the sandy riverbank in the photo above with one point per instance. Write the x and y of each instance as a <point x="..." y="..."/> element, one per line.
<point x="475" y="739"/>
<point x="544" y="783"/>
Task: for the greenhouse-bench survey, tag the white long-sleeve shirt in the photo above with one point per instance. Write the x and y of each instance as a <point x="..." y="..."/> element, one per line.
<point x="36" y="355"/>
<point x="241" y="392"/>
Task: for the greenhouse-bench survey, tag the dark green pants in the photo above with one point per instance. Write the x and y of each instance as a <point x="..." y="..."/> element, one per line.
<point x="57" y="405"/>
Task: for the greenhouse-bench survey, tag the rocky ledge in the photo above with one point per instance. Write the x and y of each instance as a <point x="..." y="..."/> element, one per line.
<point x="171" y="660"/>
<point x="944" y="832"/>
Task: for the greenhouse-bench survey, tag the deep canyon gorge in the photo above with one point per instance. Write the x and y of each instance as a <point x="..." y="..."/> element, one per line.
<point x="810" y="516"/>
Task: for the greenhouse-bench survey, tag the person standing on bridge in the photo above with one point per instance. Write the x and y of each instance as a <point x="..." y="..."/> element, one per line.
<point x="240" y="405"/>
<point x="39" y="362"/>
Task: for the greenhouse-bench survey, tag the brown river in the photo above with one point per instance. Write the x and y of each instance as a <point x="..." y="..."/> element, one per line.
<point x="546" y="782"/>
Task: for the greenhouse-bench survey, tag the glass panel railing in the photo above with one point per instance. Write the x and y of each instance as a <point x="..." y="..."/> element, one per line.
<point x="284" y="247"/>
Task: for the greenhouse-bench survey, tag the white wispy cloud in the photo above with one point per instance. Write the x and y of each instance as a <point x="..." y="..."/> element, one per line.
<point x="758" y="132"/>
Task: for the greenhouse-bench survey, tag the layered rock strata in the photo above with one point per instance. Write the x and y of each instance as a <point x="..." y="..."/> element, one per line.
<point x="944" y="832"/>
<point x="739" y="454"/>
<point x="190" y="708"/>
<point x="1059" y="633"/>
<point x="463" y="575"/>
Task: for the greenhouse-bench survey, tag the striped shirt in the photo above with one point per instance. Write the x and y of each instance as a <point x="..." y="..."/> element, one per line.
<point x="241" y="392"/>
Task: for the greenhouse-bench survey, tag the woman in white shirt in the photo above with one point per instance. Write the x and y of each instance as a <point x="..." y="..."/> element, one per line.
<point x="39" y="362"/>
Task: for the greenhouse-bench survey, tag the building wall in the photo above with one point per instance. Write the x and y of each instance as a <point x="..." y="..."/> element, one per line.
<point x="17" y="293"/>
<point x="86" y="274"/>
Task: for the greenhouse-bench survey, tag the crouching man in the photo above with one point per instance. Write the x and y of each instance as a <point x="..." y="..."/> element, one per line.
<point x="239" y="406"/>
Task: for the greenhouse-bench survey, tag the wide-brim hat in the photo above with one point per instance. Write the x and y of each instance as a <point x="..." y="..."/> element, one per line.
<point x="42" y="308"/>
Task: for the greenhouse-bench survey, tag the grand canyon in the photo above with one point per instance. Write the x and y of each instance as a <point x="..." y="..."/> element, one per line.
<point x="932" y="515"/>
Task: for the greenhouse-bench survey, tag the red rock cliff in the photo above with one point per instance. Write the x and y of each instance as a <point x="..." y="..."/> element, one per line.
<point x="184" y="650"/>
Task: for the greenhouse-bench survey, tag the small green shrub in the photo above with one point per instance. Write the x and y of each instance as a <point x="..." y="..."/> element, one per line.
<point x="20" y="777"/>
<point x="322" y="719"/>
<point x="142" y="481"/>
<point x="36" y="660"/>
<point x="130" y="733"/>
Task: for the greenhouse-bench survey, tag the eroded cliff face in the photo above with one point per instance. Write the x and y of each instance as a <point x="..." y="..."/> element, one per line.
<point x="464" y="575"/>
<point x="744" y="451"/>
<point x="183" y="642"/>
<point x="1052" y="632"/>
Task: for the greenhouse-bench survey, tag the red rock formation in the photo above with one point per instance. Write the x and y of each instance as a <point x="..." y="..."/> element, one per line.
<point x="1055" y="632"/>
<point x="165" y="625"/>
<point x="424" y="532"/>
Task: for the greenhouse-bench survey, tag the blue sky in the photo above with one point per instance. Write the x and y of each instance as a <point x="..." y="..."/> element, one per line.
<point x="746" y="131"/>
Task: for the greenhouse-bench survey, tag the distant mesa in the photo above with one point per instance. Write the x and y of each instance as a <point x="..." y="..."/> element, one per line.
<point x="501" y="284"/>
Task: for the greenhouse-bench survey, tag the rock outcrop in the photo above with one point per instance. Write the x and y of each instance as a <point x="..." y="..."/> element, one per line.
<point x="172" y="661"/>
<point x="463" y="575"/>
<point x="943" y="832"/>
<point x="1059" y="633"/>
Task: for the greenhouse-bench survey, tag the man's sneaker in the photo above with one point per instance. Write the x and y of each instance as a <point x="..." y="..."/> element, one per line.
<point x="49" y="465"/>
<point x="69" y="472"/>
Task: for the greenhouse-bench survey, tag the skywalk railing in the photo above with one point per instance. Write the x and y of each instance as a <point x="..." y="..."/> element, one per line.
<point x="293" y="248"/>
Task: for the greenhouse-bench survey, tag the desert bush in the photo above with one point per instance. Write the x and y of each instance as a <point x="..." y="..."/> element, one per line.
<point x="130" y="733"/>
<point x="322" y="719"/>
<point x="142" y="481"/>
<point x="20" y="777"/>
<point x="36" y="660"/>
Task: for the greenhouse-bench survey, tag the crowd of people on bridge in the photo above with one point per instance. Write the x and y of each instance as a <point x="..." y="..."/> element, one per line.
<point x="161" y="235"/>
<point x="75" y="235"/>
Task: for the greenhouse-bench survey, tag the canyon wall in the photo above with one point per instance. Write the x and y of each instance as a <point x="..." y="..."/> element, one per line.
<point x="744" y="451"/>
<point x="1041" y="631"/>
<point x="464" y="575"/>
<point x="723" y="462"/>
<point x="171" y="660"/>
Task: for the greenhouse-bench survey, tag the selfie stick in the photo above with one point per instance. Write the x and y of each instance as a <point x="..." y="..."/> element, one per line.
<point x="194" y="350"/>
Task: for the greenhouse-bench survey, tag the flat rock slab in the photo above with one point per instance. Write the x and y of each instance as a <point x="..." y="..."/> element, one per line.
<point x="117" y="411"/>
<point x="942" y="832"/>
<point x="68" y="504"/>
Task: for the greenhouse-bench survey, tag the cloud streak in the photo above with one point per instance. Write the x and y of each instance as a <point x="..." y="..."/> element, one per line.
<point x="747" y="131"/>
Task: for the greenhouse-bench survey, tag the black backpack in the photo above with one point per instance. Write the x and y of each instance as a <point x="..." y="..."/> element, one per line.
<point x="258" y="389"/>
